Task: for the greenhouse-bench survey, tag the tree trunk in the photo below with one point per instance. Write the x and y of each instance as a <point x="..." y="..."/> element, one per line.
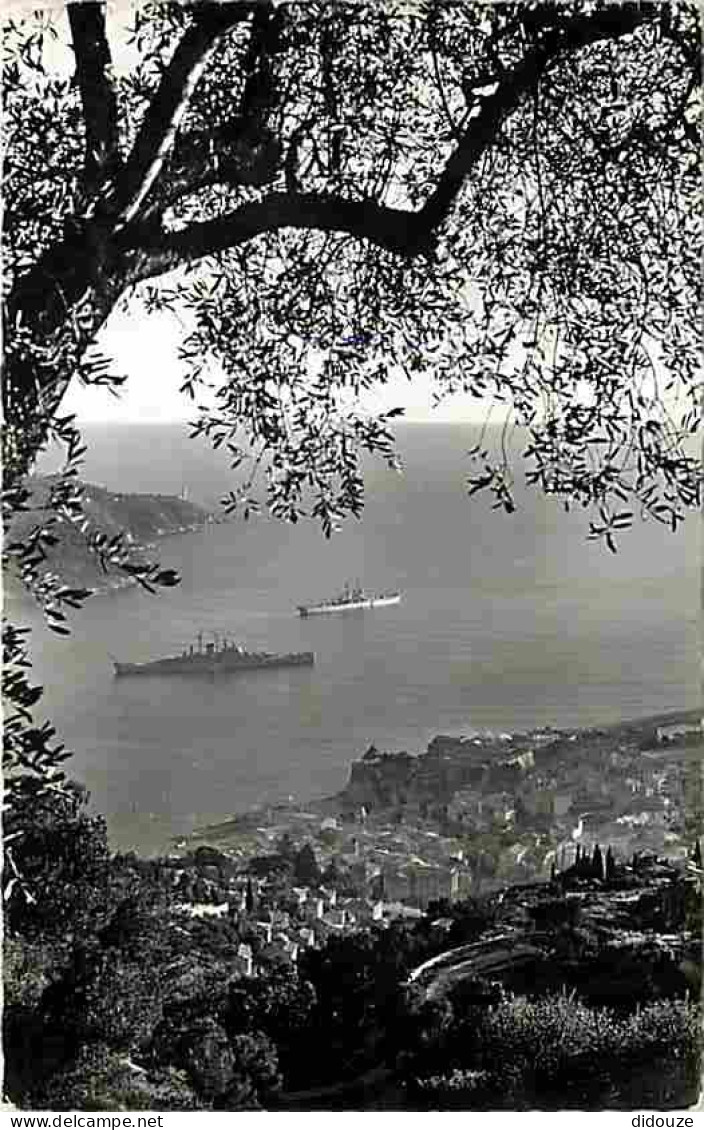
<point x="51" y="319"/>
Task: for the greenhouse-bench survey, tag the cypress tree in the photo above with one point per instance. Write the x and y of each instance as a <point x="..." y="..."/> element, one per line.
<point x="597" y="863"/>
<point x="305" y="868"/>
<point x="610" y="865"/>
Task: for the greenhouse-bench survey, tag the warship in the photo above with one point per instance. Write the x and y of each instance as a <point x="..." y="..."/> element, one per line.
<point x="351" y="599"/>
<point x="212" y="660"/>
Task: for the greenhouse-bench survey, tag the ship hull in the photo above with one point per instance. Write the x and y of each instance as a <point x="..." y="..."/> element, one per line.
<point x="350" y="605"/>
<point x="214" y="665"/>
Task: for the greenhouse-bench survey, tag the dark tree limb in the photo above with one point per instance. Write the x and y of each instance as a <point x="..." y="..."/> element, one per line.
<point x="93" y="63"/>
<point x="401" y="231"/>
<point x="391" y="228"/>
<point x="568" y="35"/>
<point x="157" y="133"/>
<point x="240" y="151"/>
<point x="257" y="66"/>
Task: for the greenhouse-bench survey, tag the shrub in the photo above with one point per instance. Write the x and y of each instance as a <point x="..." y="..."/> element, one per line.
<point x="102" y="998"/>
<point x="26" y="969"/>
<point x="57" y="866"/>
<point x="99" y="1079"/>
<point x="557" y="1051"/>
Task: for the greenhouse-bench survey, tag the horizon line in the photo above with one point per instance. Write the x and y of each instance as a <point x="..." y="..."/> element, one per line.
<point x="127" y="421"/>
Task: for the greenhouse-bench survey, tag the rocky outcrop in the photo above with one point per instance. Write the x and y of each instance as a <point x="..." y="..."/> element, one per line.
<point x="548" y="771"/>
<point x="425" y="783"/>
<point x="142" y="518"/>
<point x="380" y="781"/>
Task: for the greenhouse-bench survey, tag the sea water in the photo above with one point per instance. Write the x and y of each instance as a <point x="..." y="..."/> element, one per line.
<point x="506" y="622"/>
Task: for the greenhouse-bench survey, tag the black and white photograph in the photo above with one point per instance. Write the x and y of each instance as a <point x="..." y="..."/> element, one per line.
<point x="352" y="561"/>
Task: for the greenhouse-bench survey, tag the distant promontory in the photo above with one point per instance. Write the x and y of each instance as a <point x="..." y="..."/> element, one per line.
<point x="142" y="518"/>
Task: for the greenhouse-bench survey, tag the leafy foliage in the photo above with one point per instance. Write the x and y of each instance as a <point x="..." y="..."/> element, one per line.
<point x="557" y="1052"/>
<point x="100" y="1079"/>
<point x="56" y="863"/>
<point x="500" y="199"/>
<point x="104" y="997"/>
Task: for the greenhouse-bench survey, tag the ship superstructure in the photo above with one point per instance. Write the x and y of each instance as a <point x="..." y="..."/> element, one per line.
<point x="215" y="659"/>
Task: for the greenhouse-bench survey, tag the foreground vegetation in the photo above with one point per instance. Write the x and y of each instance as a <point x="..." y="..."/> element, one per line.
<point x="116" y="998"/>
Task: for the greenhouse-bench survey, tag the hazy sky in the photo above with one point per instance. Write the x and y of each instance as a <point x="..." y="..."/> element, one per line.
<point x="145" y="350"/>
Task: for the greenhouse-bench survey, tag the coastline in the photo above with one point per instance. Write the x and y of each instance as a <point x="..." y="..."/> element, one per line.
<point x="327" y="806"/>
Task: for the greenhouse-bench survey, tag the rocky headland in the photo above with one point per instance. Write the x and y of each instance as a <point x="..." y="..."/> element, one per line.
<point x="143" y="519"/>
<point x="474" y="812"/>
<point x="586" y="765"/>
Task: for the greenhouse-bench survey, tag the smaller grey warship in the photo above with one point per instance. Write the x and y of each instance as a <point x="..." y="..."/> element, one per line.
<point x="353" y="598"/>
<point x="212" y="660"/>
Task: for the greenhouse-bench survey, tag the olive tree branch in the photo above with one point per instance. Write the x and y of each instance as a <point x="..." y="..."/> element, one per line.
<point x="159" y="127"/>
<point x="93" y="65"/>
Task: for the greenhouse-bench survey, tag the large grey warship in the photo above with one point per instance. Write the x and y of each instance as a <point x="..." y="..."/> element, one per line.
<point x="212" y="660"/>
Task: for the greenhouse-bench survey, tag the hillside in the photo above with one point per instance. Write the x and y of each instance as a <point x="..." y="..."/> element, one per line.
<point x="144" y="518"/>
<point x="204" y="982"/>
